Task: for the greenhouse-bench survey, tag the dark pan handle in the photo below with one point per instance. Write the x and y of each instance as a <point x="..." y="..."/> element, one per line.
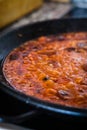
<point x="19" y="118"/>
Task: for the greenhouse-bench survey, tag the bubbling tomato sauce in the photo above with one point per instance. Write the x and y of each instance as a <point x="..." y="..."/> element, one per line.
<point x="51" y="68"/>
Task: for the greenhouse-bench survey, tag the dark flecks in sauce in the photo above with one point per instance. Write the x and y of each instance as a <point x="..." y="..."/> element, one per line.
<point x="13" y="57"/>
<point x="46" y="78"/>
<point x="21" y="48"/>
<point x="84" y="82"/>
<point x="81" y="90"/>
<point x="84" y="67"/>
<point x="70" y="49"/>
<point x="35" y="47"/>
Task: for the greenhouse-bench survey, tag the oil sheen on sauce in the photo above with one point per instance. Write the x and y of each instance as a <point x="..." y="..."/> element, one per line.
<point x="51" y="68"/>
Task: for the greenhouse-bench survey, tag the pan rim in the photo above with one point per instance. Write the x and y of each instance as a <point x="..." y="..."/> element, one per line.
<point x="9" y="30"/>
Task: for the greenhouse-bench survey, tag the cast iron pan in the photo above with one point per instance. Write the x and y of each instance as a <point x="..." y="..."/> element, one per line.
<point x="14" y="38"/>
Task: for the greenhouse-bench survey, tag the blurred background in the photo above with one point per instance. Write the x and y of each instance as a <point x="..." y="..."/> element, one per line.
<point x="14" y="13"/>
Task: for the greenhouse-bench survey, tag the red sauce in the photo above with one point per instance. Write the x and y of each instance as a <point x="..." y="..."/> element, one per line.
<point x="51" y="68"/>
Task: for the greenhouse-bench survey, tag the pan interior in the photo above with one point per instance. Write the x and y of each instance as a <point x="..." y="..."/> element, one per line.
<point x="51" y="68"/>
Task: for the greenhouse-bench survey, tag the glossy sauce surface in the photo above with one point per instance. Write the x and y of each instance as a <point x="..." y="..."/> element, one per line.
<point x="51" y="68"/>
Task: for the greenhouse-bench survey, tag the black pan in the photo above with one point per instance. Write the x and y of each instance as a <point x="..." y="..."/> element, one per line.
<point x="13" y="38"/>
